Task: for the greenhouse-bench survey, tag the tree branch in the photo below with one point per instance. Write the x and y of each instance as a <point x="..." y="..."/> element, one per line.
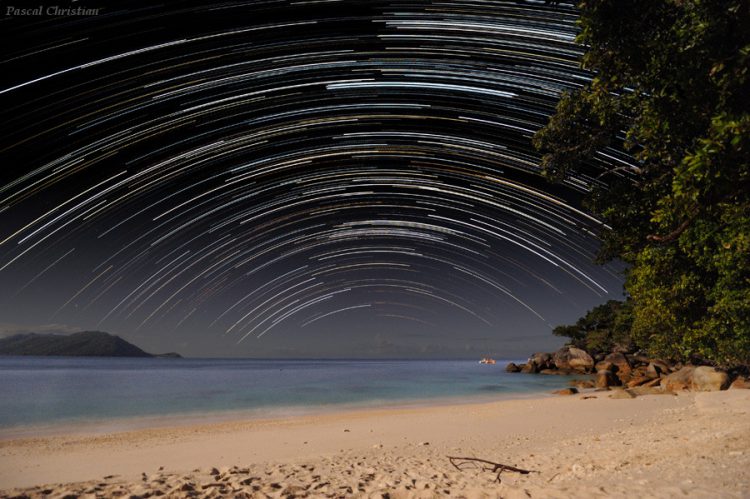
<point x="486" y="465"/>
<point x="629" y="168"/>
<point x="672" y="235"/>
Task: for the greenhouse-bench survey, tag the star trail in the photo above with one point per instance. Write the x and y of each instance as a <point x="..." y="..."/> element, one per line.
<point x="317" y="178"/>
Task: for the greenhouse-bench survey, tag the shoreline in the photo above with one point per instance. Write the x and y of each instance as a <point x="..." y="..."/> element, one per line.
<point x="693" y="442"/>
<point x="108" y="425"/>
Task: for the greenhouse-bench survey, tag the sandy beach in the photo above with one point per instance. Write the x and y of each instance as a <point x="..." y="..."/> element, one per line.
<point x="585" y="445"/>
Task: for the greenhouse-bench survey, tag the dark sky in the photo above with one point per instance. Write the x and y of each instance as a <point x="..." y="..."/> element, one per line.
<point x="293" y="179"/>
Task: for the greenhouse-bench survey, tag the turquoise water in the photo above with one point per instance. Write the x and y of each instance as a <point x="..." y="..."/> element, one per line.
<point x="45" y="390"/>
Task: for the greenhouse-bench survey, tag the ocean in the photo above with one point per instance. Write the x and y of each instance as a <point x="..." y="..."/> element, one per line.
<point x="63" y="390"/>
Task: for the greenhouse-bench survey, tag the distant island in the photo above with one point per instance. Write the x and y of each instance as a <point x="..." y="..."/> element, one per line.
<point x="83" y="344"/>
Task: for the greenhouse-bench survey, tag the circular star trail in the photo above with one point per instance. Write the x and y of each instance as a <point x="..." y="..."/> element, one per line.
<point x="279" y="177"/>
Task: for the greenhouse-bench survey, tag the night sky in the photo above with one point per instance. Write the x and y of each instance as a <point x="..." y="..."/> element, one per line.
<point x="294" y="178"/>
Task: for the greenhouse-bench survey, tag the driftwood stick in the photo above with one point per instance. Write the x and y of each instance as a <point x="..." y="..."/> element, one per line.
<point x="459" y="462"/>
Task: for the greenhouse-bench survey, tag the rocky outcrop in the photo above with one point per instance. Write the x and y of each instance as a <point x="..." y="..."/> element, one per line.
<point x="708" y="379"/>
<point x="582" y="383"/>
<point x="529" y="368"/>
<point x="700" y="379"/>
<point x="574" y="359"/>
<point x="604" y="365"/>
<point x="542" y="361"/>
<point x="622" y="368"/>
<point x="566" y="391"/>
<point x="633" y="370"/>
<point x="512" y="368"/>
<point x="623" y="394"/>
<point x="657" y="367"/>
<point x="640" y="380"/>
<point x="679" y="380"/>
<point x="605" y="379"/>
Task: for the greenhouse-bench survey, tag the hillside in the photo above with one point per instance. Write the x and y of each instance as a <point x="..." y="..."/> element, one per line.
<point x="84" y="344"/>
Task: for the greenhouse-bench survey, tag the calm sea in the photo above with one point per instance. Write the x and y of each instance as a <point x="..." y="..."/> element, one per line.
<point x="45" y="390"/>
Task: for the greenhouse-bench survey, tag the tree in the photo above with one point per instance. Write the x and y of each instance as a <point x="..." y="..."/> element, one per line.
<point x="671" y="86"/>
<point x="602" y="329"/>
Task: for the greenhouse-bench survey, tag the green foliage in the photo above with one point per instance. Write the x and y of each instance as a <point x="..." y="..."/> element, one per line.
<point x="602" y="328"/>
<point x="672" y="86"/>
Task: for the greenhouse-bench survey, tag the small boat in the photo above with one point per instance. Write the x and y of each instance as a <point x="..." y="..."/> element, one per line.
<point x="487" y="360"/>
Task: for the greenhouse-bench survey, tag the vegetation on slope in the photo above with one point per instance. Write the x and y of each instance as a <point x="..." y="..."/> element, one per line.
<point x="84" y="344"/>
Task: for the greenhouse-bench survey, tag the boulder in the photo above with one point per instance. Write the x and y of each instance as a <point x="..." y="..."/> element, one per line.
<point x="529" y="368"/>
<point x="512" y="368"/>
<point x="662" y="366"/>
<point x="640" y="380"/>
<point x="580" y="360"/>
<point x="542" y="360"/>
<point x="582" y="383"/>
<point x="653" y="370"/>
<point x="653" y="383"/>
<point x="573" y="358"/>
<point x="566" y="391"/>
<point x="679" y="380"/>
<point x="560" y="358"/>
<point x="656" y="368"/>
<point x="740" y="383"/>
<point x="648" y="390"/>
<point x="605" y="379"/>
<point x="623" y="394"/>
<point x="708" y="379"/>
<point x="624" y="369"/>
<point x="604" y="365"/>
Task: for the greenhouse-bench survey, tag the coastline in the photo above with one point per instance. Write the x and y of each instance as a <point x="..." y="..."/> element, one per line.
<point x="42" y="393"/>
<point x="655" y="445"/>
<point x="104" y="426"/>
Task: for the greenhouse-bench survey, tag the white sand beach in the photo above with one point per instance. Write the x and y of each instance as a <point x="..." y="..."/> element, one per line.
<point x="585" y="445"/>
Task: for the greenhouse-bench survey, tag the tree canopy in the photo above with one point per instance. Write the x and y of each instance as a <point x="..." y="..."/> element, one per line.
<point x="671" y="85"/>
<point x="602" y="329"/>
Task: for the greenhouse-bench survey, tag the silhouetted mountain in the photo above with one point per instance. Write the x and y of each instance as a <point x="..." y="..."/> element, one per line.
<point x="84" y="344"/>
